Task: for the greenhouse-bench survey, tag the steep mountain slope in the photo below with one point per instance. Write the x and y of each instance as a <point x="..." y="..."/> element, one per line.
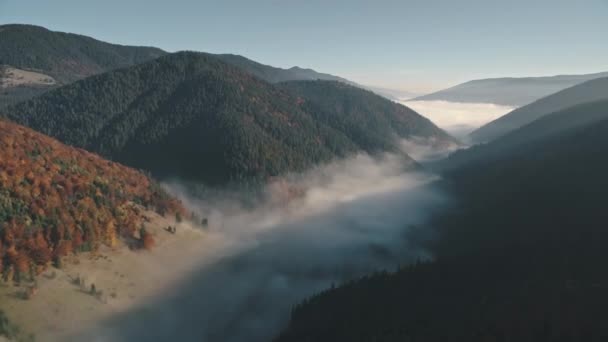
<point x="508" y="91"/>
<point x="55" y="200"/>
<point x="65" y="56"/>
<point x="589" y="91"/>
<point x="520" y="257"/>
<point x="366" y="118"/>
<point x="193" y="116"/>
<point x="520" y="140"/>
<point x="276" y="75"/>
<point x="60" y="57"/>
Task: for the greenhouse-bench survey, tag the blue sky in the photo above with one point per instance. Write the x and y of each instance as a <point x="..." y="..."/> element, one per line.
<point x="416" y="45"/>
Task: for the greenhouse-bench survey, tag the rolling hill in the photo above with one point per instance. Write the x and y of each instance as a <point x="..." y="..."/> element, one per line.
<point x="193" y="116"/>
<point x="278" y="75"/>
<point x="589" y="91"/>
<point x="59" y="57"/>
<point x="519" y="141"/>
<point x="34" y="59"/>
<point x="519" y="257"/>
<point x="55" y="200"/>
<point x="363" y="116"/>
<point x="508" y="91"/>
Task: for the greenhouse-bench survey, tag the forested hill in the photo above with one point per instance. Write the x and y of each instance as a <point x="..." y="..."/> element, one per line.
<point x="34" y="60"/>
<point x="366" y="118"/>
<point x="274" y="74"/>
<point x="191" y="115"/>
<point x="520" y="257"/>
<point x="55" y="200"/>
<point x="509" y="91"/>
<point x="65" y="56"/>
<point x="518" y="142"/>
<point x="589" y="91"/>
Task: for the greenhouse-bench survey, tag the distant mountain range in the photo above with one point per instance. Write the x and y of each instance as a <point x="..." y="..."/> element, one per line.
<point x="60" y="57"/>
<point x="508" y="91"/>
<point x="589" y="91"/>
<point x="34" y="59"/>
<point x="518" y="142"/>
<point x="277" y="75"/>
<point x="191" y="115"/>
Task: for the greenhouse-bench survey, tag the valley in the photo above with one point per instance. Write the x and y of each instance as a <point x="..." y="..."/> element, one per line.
<point x="195" y="178"/>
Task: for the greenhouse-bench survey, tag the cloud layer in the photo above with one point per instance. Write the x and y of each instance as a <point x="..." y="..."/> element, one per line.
<point x="310" y="231"/>
<point x="459" y="119"/>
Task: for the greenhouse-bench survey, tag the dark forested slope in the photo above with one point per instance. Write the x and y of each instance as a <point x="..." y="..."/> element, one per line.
<point x="60" y="58"/>
<point x="519" y="141"/>
<point x="65" y="56"/>
<point x="366" y="118"/>
<point x="519" y="257"/>
<point x="191" y="115"/>
<point x="274" y="74"/>
<point x="589" y="91"/>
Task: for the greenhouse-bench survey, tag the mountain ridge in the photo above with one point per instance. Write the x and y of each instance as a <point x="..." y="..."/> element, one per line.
<point x="210" y="111"/>
<point x="508" y="91"/>
<point x="589" y="91"/>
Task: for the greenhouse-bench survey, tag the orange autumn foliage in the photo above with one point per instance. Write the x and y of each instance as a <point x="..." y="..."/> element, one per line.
<point x="56" y="199"/>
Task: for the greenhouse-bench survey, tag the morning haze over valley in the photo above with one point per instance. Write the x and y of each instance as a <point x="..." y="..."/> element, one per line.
<point x="298" y="171"/>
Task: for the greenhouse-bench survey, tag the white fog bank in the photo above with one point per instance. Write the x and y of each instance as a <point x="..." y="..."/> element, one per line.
<point x="334" y="223"/>
<point x="458" y="119"/>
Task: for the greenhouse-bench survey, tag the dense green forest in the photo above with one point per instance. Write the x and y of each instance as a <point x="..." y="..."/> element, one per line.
<point x="518" y="141"/>
<point x="593" y="90"/>
<point x="191" y="115"/>
<point x="366" y="118"/>
<point x="65" y="56"/>
<point x="277" y="75"/>
<point x="520" y="256"/>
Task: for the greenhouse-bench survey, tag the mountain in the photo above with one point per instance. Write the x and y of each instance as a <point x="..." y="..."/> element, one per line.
<point x="55" y="200"/>
<point x="519" y="141"/>
<point x="276" y="75"/>
<point x="363" y="116"/>
<point x="520" y="256"/>
<point x="34" y="59"/>
<point x="190" y="115"/>
<point x="508" y="91"/>
<point x="589" y="91"/>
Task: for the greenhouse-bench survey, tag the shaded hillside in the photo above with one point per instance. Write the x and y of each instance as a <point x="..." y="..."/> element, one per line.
<point x="278" y="75"/>
<point x="508" y="91"/>
<point x="274" y="74"/>
<point x="63" y="57"/>
<point x="186" y="115"/>
<point x="520" y="141"/>
<point x="190" y="115"/>
<point x="55" y="200"/>
<point x="589" y="91"/>
<point x="364" y="117"/>
<point x="520" y="257"/>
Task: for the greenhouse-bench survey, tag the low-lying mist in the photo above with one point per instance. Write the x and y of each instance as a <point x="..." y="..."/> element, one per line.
<point x="458" y="119"/>
<point x="309" y="231"/>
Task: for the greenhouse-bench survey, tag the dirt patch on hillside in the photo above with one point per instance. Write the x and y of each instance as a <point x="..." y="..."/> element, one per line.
<point x="64" y="303"/>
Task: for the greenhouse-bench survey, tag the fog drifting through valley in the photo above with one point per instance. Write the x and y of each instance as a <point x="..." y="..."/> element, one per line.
<point x="458" y="119"/>
<point x="334" y="223"/>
